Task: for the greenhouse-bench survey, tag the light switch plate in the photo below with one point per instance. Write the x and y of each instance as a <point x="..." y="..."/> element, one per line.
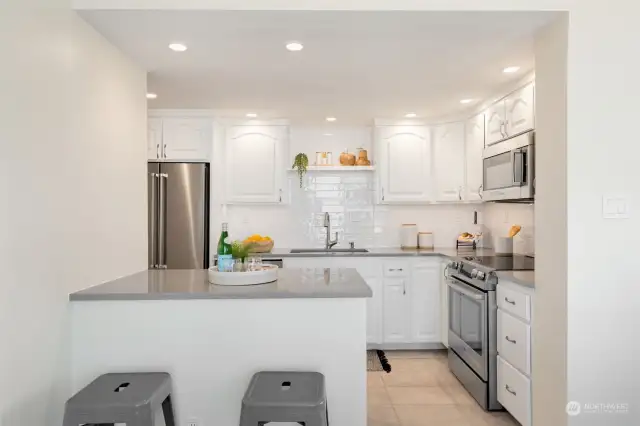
<point x="615" y="207"/>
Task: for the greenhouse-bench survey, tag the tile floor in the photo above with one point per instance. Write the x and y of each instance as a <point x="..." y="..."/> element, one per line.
<point x="421" y="391"/>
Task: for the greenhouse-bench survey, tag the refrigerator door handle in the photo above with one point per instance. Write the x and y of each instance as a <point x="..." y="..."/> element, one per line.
<point x="153" y="216"/>
<point x="162" y="222"/>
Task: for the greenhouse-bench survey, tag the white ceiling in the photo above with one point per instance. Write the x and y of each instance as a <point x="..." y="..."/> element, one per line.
<point x="354" y="65"/>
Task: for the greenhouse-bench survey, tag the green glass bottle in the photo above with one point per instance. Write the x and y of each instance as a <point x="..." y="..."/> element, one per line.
<point x="224" y="250"/>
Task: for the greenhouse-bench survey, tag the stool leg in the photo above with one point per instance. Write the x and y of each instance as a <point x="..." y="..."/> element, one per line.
<point x="167" y="411"/>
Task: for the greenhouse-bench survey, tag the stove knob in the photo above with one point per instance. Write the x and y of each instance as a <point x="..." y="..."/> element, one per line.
<point x="481" y="275"/>
<point x="474" y="273"/>
<point x="453" y="265"/>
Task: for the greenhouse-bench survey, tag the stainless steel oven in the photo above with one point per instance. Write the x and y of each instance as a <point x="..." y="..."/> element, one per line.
<point x="509" y="170"/>
<point x="472" y="330"/>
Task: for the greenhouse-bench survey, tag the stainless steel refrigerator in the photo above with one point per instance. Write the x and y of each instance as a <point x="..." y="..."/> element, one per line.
<point x="178" y="196"/>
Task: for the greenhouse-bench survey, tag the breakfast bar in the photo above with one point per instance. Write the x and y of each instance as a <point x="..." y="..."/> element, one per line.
<point x="212" y="339"/>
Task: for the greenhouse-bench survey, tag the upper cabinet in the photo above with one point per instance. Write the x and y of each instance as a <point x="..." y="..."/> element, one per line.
<point x="520" y="111"/>
<point x="448" y="164"/>
<point x="474" y="145"/>
<point x="154" y="139"/>
<point x="181" y="139"/>
<point x="255" y="166"/>
<point x="404" y="163"/>
<point x="510" y="116"/>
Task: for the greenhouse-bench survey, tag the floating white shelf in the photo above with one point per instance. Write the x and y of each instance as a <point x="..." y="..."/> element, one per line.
<point x="338" y="168"/>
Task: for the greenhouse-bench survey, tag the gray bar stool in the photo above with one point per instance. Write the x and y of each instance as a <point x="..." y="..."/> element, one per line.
<point x="285" y="396"/>
<point x="131" y="398"/>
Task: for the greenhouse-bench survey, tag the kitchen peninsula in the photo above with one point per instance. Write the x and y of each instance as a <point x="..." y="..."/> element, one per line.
<point x="212" y="339"/>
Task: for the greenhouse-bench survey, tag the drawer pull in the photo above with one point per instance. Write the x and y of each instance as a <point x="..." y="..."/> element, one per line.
<point x="511" y="302"/>
<point x="512" y="392"/>
<point x="509" y="340"/>
<point x="396" y="269"/>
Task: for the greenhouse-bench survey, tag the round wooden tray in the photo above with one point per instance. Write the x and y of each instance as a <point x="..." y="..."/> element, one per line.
<point x="269" y="273"/>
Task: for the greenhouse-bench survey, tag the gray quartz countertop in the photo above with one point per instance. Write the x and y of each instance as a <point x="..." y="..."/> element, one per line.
<point x="524" y="278"/>
<point x="176" y="284"/>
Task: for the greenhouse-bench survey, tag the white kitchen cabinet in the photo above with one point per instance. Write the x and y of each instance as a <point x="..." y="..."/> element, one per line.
<point x="186" y="138"/>
<point x="444" y="305"/>
<point x="405" y="164"/>
<point x="510" y="116"/>
<point x="520" y="111"/>
<point x="374" y="311"/>
<point x="154" y="139"/>
<point x="474" y="146"/>
<point x="448" y="161"/>
<point x="495" y="116"/>
<point x="425" y="302"/>
<point x="255" y="164"/>
<point x="396" y="319"/>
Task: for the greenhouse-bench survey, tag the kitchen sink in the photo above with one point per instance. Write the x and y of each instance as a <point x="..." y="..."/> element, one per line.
<point x="329" y="251"/>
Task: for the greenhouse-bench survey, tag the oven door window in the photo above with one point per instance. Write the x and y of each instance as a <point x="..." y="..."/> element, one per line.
<point x="472" y="324"/>
<point x="498" y="171"/>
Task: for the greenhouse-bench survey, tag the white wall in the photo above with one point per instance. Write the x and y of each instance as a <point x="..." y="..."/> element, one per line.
<point x="72" y="126"/>
<point x="550" y="308"/>
<point x="499" y="217"/>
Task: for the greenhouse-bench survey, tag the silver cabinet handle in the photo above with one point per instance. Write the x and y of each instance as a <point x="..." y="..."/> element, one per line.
<point x="460" y="193"/>
<point x="480" y="191"/>
<point x="510" y="340"/>
<point x="404" y="287"/>
<point x="280" y="199"/>
<point x="164" y="150"/>
<point x="162" y="219"/>
<point x="396" y="269"/>
<point x="157" y="150"/>
<point x="383" y="193"/>
<point x="511" y="302"/>
<point x="503" y="132"/>
<point x="512" y="392"/>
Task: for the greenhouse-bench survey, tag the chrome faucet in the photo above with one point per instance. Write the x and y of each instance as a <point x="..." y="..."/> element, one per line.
<point x="327" y="224"/>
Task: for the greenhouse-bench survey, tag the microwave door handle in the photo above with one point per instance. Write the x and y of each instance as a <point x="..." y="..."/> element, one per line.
<point x="517" y="160"/>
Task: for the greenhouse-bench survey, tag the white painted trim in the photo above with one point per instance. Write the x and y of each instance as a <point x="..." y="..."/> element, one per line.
<point x="405" y="346"/>
<point x="399" y="122"/>
<point x="204" y="113"/>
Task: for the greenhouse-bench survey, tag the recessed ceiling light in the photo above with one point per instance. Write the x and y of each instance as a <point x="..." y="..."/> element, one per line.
<point x="294" y="46"/>
<point x="328" y="134"/>
<point x="151" y="96"/>
<point x="466" y="101"/>
<point x="510" y="69"/>
<point x="411" y="115"/>
<point x="252" y="115"/>
<point x="331" y="119"/>
<point x="177" y="47"/>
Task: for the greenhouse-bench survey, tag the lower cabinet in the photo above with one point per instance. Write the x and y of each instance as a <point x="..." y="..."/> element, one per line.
<point x="396" y="305"/>
<point x="406" y="308"/>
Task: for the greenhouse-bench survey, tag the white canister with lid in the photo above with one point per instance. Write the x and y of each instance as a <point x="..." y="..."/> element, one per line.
<point x="425" y="240"/>
<point x="409" y="236"/>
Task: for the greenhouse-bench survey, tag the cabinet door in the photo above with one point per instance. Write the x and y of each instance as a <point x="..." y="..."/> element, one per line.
<point x="374" y="311"/>
<point x="494" y="123"/>
<point x="444" y="306"/>
<point x="520" y="111"/>
<point x="154" y="138"/>
<point x="425" y="303"/>
<point x="474" y="145"/>
<point x="186" y="138"/>
<point x="448" y="161"/>
<point x="255" y="168"/>
<point x="396" y="311"/>
<point x="405" y="164"/>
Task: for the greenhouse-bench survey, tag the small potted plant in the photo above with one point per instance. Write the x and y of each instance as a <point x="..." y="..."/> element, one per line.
<point x="300" y="163"/>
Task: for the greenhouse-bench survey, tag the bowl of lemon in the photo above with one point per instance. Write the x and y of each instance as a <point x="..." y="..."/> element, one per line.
<point x="259" y="244"/>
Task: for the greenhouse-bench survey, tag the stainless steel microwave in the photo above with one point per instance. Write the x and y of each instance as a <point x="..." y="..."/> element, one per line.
<point x="508" y="169"/>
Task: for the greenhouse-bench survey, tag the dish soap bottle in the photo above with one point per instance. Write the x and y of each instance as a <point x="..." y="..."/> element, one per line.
<point x="224" y="250"/>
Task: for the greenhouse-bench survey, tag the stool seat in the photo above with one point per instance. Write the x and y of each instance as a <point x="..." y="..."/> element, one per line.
<point x="285" y="396"/>
<point x="131" y="398"/>
<point x="277" y="388"/>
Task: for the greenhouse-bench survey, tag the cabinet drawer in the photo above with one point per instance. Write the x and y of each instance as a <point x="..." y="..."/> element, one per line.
<point x="514" y="392"/>
<point x="514" y="341"/>
<point x="396" y="269"/>
<point x="514" y="302"/>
